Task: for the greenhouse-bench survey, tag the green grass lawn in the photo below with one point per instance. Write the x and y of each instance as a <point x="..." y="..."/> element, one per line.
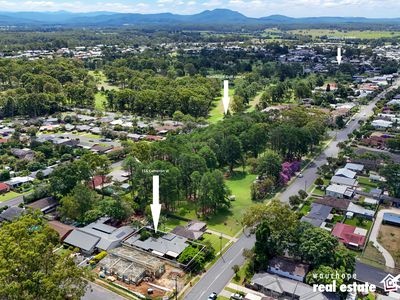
<point x="100" y="99"/>
<point x="306" y="208"/>
<point x="217" y="113"/>
<point x="8" y="196"/>
<point x="102" y="82"/>
<point x="365" y="181"/>
<point x="317" y="191"/>
<point x="171" y="223"/>
<point x="241" y="275"/>
<point x="359" y="222"/>
<point x="215" y="241"/>
<point x="227" y="221"/>
<point x="91" y="135"/>
<point x="253" y="103"/>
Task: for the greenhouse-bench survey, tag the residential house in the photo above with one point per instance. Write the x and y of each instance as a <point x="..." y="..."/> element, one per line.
<point x="4" y="188"/>
<point x="45" y="205"/>
<point x="318" y="214"/>
<point x="360" y="211"/>
<point x="381" y="124"/>
<point x="349" y="235"/>
<point x="11" y="213"/>
<point x="98" y="236"/>
<point x="343" y="172"/>
<point x="339" y="180"/>
<point x="62" y="229"/>
<point x="168" y="245"/>
<point x="83" y="128"/>
<point x="336" y="203"/>
<point x="358" y="168"/>
<point x="283" y="288"/>
<point x="374" y="141"/>
<point x="25" y="153"/>
<point x="193" y="231"/>
<point x="288" y="268"/>
<point x="339" y="191"/>
<point x="15" y="182"/>
<point x="101" y="149"/>
<point x="391" y="219"/>
<point x="46" y="173"/>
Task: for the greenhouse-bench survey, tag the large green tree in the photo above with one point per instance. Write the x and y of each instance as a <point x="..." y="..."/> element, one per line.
<point x="29" y="268"/>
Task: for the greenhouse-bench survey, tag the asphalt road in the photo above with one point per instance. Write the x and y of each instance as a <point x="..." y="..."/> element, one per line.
<point x="97" y="292"/>
<point x="221" y="273"/>
<point x="12" y="202"/>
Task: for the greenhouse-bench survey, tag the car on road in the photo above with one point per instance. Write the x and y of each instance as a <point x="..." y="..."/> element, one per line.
<point x="213" y="296"/>
<point x="300" y="175"/>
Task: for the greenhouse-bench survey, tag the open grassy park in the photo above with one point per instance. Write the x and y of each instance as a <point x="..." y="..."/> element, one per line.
<point x="217" y="112"/>
<point x="348" y="34"/>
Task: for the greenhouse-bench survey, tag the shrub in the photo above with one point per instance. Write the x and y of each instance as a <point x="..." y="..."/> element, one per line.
<point x="100" y="256"/>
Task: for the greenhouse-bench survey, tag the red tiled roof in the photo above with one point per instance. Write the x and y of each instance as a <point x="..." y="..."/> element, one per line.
<point x="4" y="186"/>
<point x="2" y="141"/>
<point x="346" y="234"/>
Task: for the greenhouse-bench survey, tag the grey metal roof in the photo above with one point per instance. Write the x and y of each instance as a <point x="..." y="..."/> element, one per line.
<point x="11" y="213"/>
<point x="357" y="209"/>
<point x="346" y="173"/>
<point x="169" y="243"/>
<point x="343" y="181"/>
<point x="284" y="285"/>
<point x="354" y="167"/>
<point x="82" y="240"/>
<point x="319" y="211"/>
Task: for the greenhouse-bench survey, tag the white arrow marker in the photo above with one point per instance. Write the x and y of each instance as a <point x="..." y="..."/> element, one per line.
<point x="226" y="99"/>
<point x="156" y="206"/>
<point x="339" y="55"/>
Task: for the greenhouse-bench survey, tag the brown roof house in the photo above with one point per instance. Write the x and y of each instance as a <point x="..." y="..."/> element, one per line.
<point x="288" y="268"/>
<point x="193" y="231"/>
<point x="62" y="229"/>
<point x="45" y="205"/>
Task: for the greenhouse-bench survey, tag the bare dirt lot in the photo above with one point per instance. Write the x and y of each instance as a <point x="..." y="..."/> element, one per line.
<point x="389" y="237"/>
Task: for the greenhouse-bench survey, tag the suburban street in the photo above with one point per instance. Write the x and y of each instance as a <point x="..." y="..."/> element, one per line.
<point x="310" y="174"/>
<point x="221" y="273"/>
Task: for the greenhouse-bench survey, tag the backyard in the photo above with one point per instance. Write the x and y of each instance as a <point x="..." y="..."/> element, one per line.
<point x="226" y="221"/>
<point x="389" y="237"/>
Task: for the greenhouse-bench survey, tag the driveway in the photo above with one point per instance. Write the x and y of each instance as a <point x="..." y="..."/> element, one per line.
<point x="389" y="261"/>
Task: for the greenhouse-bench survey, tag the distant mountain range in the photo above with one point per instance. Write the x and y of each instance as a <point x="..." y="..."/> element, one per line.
<point x="217" y="16"/>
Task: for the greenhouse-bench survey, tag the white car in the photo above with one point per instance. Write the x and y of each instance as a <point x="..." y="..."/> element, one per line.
<point x="300" y="175"/>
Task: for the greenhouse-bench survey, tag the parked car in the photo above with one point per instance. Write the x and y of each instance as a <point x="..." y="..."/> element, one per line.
<point x="213" y="296"/>
<point x="236" y="297"/>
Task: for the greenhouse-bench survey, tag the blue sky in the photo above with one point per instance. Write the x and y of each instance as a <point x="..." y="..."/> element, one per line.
<point x="253" y="8"/>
